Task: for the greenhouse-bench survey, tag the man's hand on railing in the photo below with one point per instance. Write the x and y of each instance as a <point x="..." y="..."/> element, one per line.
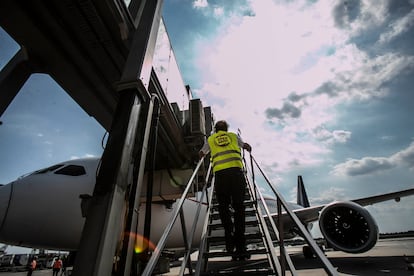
<point x="247" y="147"/>
<point x="201" y="154"/>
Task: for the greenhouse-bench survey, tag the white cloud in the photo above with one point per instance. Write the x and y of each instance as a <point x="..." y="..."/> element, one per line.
<point x="218" y="11"/>
<point x="279" y="74"/>
<point x="371" y="14"/>
<point x="336" y="136"/>
<point x="405" y="157"/>
<point x="246" y="71"/>
<point x="341" y="136"/>
<point x="86" y="155"/>
<point x="387" y="137"/>
<point x="329" y="195"/>
<point x="366" y="165"/>
<point x="200" y="3"/>
<point x="398" y="27"/>
<point x="370" y="165"/>
<point x="356" y="76"/>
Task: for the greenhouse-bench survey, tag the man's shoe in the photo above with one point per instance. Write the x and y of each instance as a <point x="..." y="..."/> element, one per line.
<point x="241" y="256"/>
<point x="230" y="248"/>
<point x="230" y="245"/>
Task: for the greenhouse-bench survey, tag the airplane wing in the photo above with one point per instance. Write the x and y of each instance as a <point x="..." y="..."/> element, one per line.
<point x="310" y="214"/>
<point x="384" y="197"/>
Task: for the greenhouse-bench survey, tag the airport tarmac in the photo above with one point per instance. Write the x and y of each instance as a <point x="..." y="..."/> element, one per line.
<point x="388" y="257"/>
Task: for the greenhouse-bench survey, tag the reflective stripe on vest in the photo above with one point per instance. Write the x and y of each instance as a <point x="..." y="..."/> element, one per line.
<point x="225" y="151"/>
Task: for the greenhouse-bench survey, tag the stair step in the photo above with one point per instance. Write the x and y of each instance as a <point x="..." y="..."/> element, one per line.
<point x="246" y="196"/>
<point x="250" y="238"/>
<point x="257" y="265"/>
<point x="219" y="254"/>
<point x="246" y="203"/>
<point x="251" y="271"/>
<point x="248" y="267"/>
<point x="248" y="213"/>
<point x="219" y="225"/>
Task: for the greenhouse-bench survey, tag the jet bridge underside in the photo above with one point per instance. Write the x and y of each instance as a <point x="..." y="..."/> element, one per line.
<point x="83" y="46"/>
<point x="70" y="42"/>
<point x="101" y="53"/>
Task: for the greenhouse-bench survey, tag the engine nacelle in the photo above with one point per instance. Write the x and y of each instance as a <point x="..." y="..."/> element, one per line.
<point x="348" y="227"/>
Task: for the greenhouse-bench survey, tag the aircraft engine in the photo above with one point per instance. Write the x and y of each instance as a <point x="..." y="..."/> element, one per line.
<point x="348" y="227"/>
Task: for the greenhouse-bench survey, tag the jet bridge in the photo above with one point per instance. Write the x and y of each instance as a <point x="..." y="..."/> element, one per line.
<point x="87" y="48"/>
<point x="114" y="59"/>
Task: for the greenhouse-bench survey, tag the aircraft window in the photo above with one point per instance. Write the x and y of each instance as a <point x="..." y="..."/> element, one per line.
<point x="72" y="170"/>
<point x="49" y="169"/>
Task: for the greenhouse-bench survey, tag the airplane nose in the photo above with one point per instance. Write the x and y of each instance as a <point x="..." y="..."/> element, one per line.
<point x="5" y="197"/>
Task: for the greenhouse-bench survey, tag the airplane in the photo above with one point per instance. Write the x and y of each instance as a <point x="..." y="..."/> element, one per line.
<point x="345" y="225"/>
<point x="42" y="209"/>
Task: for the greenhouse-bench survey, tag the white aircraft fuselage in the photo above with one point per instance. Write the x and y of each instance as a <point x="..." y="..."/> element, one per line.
<point x="43" y="210"/>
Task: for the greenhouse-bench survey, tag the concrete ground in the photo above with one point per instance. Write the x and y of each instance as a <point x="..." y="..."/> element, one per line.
<point x="388" y="257"/>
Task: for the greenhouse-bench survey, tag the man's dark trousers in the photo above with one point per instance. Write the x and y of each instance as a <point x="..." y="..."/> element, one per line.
<point x="230" y="185"/>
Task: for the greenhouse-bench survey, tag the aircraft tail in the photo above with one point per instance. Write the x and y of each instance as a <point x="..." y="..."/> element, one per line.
<point x="302" y="197"/>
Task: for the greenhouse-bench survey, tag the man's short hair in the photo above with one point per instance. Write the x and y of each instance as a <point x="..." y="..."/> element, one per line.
<point x="221" y="125"/>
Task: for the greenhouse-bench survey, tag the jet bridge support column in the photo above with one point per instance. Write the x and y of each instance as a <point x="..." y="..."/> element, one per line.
<point x="12" y="78"/>
<point x="123" y="160"/>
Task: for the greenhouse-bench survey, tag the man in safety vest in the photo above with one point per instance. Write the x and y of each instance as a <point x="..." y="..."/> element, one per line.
<point x="230" y="184"/>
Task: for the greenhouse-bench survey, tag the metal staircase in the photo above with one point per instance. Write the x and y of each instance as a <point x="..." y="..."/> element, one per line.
<point x="264" y="234"/>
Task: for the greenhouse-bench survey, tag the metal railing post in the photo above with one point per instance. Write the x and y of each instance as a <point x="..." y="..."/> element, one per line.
<point x="327" y="265"/>
<point x="161" y="243"/>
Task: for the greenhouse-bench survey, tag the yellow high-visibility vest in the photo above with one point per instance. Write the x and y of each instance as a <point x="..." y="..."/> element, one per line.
<point x="225" y="151"/>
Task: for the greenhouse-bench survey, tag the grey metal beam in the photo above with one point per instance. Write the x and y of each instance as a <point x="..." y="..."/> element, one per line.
<point x="105" y="216"/>
<point x="12" y="78"/>
<point x="84" y="46"/>
<point x="123" y="157"/>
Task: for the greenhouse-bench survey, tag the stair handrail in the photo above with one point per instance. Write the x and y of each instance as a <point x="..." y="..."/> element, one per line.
<point x="194" y="226"/>
<point x="284" y="256"/>
<point x="311" y="242"/>
<point x="267" y="239"/>
<point x="204" y="233"/>
<point x="149" y="268"/>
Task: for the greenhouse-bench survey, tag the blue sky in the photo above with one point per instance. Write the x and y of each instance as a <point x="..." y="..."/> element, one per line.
<point x="322" y="89"/>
